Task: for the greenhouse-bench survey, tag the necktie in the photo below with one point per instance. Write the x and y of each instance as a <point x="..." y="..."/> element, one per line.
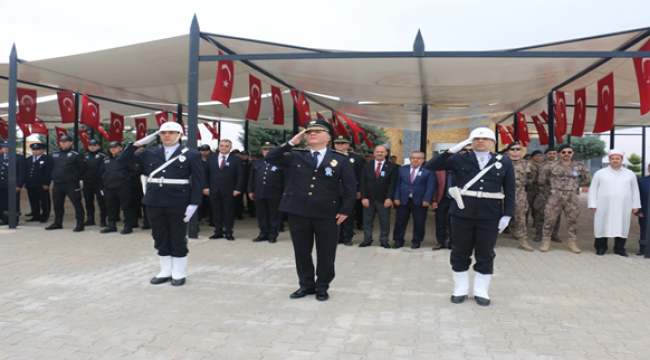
<point x="223" y="162"/>
<point x="413" y="171"/>
<point x="316" y="153"/>
<point x="378" y="170"/>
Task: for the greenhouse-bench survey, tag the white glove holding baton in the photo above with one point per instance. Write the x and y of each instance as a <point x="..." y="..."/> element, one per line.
<point x="147" y="139"/>
<point x="191" y="209"/>
<point x="458" y="147"/>
<point x="503" y="223"/>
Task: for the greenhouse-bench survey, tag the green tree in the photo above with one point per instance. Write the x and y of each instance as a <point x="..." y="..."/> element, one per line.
<point x="588" y="147"/>
<point x="258" y="135"/>
<point x="636" y="161"/>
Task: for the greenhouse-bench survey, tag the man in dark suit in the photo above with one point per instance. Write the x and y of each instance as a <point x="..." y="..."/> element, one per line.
<point x="37" y="182"/>
<point x="644" y="191"/>
<point x="377" y="185"/>
<point x="4" y="182"/>
<point x="313" y="202"/>
<point x="484" y="209"/>
<point x="265" y="187"/>
<point x="413" y="195"/>
<point x="93" y="187"/>
<point x="346" y="230"/>
<point x="225" y="180"/>
<point x="175" y="178"/>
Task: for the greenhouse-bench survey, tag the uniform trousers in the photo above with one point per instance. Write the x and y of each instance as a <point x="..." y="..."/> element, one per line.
<point x="346" y="230"/>
<point x="478" y="236"/>
<point x="643" y="223"/>
<point x="518" y="224"/>
<point x="138" y="209"/>
<point x="39" y="202"/>
<point x="92" y="191"/>
<point x="168" y="230"/>
<point x="223" y="210"/>
<point x="558" y="201"/>
<point x="268" y="216"/>
<point x="358" y="213"/>
<point x="402" y="215"/>
<point x="72" y="191"/>
<point x="540" y="205"/>
<point x="376" y="207"/>
<point x="116" y="197"/>
<point x="303" y="232"/>
<point x="4" y="203"/>
<point x="442" y="220"/>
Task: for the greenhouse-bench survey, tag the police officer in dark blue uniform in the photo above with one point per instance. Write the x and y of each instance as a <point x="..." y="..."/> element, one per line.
<point x="116" y="177"/>
<point x="37" y="182"/>
<point x="479" y="211"/>
<point x="265" y="187"/>
<point x="68" y="166"/>
<point x="175" y="180"/>
<point x="312" y="201"/>
<point x="4" y="182"/>
<point x="93" y="187"/>
<point x="346" y="230"/>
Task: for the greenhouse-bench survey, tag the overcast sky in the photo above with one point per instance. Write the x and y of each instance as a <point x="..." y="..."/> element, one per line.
<point x="43" y="29"/>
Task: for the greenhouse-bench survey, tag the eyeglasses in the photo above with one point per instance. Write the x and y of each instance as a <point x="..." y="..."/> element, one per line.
<point x="515" y="149"/>
<point x="566" y="152"/>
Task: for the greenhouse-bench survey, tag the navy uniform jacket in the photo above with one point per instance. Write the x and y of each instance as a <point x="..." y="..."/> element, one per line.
<point x="465" y="167"/>
<point x="382" y="188"/>
<point x="67" y="166"/>
<point x="4" y="171"/>
<point x="265" y="182"/>
<point x="225" y="181"/>
<point x="189" y="167"/>
<point x="357" y="164"/>
<point x="94" y="161"/>
<point x="37" y="173"/>
<point x="312" y="192"/>
<point x="423" y="187"/>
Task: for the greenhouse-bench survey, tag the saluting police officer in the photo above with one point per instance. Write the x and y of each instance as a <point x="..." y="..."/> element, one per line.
<point x="479" y="212"/>
<point x="68" y="166"/>
<point x="93" y="184"/>
<point x="312" y="200"/>
<point x="116" y="177"/>
<point x="4" y="182"/>
<point x="37" y="182"/>
<point x="175" y="179"/>
<point x="265" y="186"/>
<point x="346" y="231"/>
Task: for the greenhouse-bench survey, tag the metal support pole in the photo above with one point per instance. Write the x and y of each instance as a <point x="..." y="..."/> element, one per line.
<point x="219" y="131"/>
<point x="295" y="120"/>
<point x="192" y="107"/>
<point x="246" y="127"/>
<point x="24" y="146"/>
<point x="497" y="135"/>
<point x="515" y="126"/>
<point x="11" y="185"/>
<point x="612" y="134"/>
<point x="551" y="120"/>
<point x="76" y="122"/>
<point x="423" y="128"/>
<point x="644" y="164"/>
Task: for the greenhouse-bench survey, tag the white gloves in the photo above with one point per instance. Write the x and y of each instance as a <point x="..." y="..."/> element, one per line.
<point x="189" y="212"/>
<point x="149" y="138"/>
<point x="503" y="223"/>
<point x="458" y="147"/>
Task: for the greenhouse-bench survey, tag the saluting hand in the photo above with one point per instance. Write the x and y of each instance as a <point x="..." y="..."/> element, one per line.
<point x="297" y="138"/>
<point x="341" y="218"/>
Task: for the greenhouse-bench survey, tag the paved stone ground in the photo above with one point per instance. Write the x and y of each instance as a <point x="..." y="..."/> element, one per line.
<point x="67" y="295"/>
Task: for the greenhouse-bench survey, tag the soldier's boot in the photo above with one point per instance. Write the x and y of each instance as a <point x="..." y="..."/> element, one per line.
<point x="179" y="270"/>
<point x="109" y="229"/>
<point x="573" y="246"/>
<point x="481" y="286"/>
<point x="546" y="244"/>
<point x="89" y="221"/>
<point x="461" y="286"/>
<point x="165" y="273"/>
<point x="102" y="222"/>
<point x="57" y="224"/>
<point x="80" y="226"/>
<point x="556" y="239"/>
<point x="523" y="244"/>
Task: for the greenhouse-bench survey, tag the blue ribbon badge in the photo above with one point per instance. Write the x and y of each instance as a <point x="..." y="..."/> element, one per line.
<point x="328" y="171"/>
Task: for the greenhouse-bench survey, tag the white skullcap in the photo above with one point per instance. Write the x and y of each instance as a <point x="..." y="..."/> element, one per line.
<point x="615" y="152"/>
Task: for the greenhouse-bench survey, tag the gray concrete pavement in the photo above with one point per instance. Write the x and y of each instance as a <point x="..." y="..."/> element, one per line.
<point x="66" y="295"/>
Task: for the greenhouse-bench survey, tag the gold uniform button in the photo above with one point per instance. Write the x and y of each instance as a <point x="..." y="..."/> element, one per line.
<point x="316" y="170"/>
<point x="314" y="178"/>
<point x="311" y="186"/>
<point x="263" y="182"/>
<point x="309" y="193"/>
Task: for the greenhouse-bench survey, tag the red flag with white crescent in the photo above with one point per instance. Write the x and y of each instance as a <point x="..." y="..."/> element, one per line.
<point x="560" y="113"/>
<point x="355" y="129"/>
<point x="255" y="101"/>
<point x="26" y="106"/>
<point x="140" y="128"/>
<point x="579" y="112"/>
<point x="161" y="118"/>
<point x="100" y="129"/>
<point x="198" y="133"/>
<point x="4" y="129"/>
<point x="117" y="127"/>
<point x="66" y="107"/>
<point x="506" y="138"/>
<point x="302" y="107"/>
<point x="511" y="131"/>
<point x="224" y="83"/>
<point x="605" y="113"/>
<point x="339" y="126"/>
<point x="89" y="112"/>
<point x="522" y="129"/>
<point x="319" y="116"/>
<point x="25" y="129"/>
<point x="83" y="136"/>
<point x="374" y="136"/>
<point x="544" y="116"/>
<point x="215" y="130"/>
<point x="541" y="130"/>
<point x="60" y="132"/>
<point x="278" y="106"/>
<point x="642" y="68"/>
<point x="38" y="127"/>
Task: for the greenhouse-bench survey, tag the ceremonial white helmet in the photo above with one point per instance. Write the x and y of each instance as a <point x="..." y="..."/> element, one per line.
<point x="482" y="132"/>
<point x="171" y="126"/>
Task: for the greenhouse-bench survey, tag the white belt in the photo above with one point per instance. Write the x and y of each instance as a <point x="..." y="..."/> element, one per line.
<point x="482" y="195"/>
<point x="161" y="181"/>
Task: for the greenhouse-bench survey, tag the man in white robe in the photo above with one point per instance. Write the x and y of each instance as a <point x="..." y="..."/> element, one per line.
<point x="614" y="197"/>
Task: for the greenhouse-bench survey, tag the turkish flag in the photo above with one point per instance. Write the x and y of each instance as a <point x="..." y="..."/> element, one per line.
<point x="302" y="107"/>
<point x="83" y="135"/>
<point x="117" y="127"/>
<point x="60" y="132"/>
<point x="89" y="112"/>
<point x="4" y="129"/>
<point x="355" y="129"/>
<point x="224" y="83"/>
<point x="278" y="106"/>
<point x="560" y="113"/>
<point x="541" y="130"/>
<point x="544" y="116"/>
<point x="66" y="107"/>
<point x="26" y="106"/>
<point x="522" y="129"/>
<point x="642" y="68"/>
<point x="374" y="136"/>
<point x="511" y="130"/>
<point x="215" y="130"/>
<point x="605" y="113"/>
<point x="38" y="127"/>
<point x="339" y="127"/>
<point x="319" y="116"/>
<point x="506" y="138"/>
<point x="140" y="128"/>
<point x="255" y="101"/>
<point x="25" y="129"/>
<point x="161" y="118"/>
<point x="579" y="112"/>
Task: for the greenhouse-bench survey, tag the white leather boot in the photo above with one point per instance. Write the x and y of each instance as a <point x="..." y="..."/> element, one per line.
<point x="179" y="270"/>
<point x="461" y="287"/>
<point x="165" y="271"/>
<point x="481" y="286"/>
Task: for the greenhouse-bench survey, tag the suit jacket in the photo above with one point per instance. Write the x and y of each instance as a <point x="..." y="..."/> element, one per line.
<point x="423" y="187"/>
<point x="231" y="178"/>
<point x="382" y="188"/>
<point x="4" y="171"/>
<point x="37" y="173"/>
<point x="313" y="192"/>
<point x="644" y="190"/>
<point x="265" y="182"/>
<point x="167" y="195"/>
<point x="465" y="167"/>
<point x="357" y="164"/>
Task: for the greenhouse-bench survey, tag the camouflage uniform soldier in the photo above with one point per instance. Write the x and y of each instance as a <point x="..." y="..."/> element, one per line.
<point x="525" y="175"/>
<point x="540" y="200"/>
<point x="563" y="177"/>
<point x="537" y="161"/>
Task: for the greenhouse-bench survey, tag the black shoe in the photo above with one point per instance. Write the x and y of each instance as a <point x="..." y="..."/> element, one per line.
<point x="301" y="293"/>
<point x="439" y="246"/>
<point x="230" y="238"/>
<point x="415" y="246"/>
<point x="600" y="252"/>
<point x="482" y="301"/>
<point x="4" y="222"/>
<point x="33" y="219"/>
<point x="178" y="282"/>
<point x="145" y="226"/>
<point x="359" y="227"/>
<point x="216" y="236"/>
<point x="42" y="221"/>
<point x="385" y="245"/>
<point x="240" y="218"/>
<point x="621" y="253"/>
<point x="556" y="239"/>
<point x="348" y="243"/>
<point x="89" y="222"/>
<point x="55" y="225"/>
<point x="158" y="281"/>
<point x="108" y="229"/>
<point x="126" y="231"/>
<point x="365" y="243"/>
<point x="102" y="223"/>
<point x="397" y="245"/>
<point x="281" y="229"/>
<point x="78" y="229"/>
<point x="261" y="238"/>
<point x="273" y="240"/>
<point x="322" y="296"/>
<point x="458" y="299"/>
<point x="30" y="214"/>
